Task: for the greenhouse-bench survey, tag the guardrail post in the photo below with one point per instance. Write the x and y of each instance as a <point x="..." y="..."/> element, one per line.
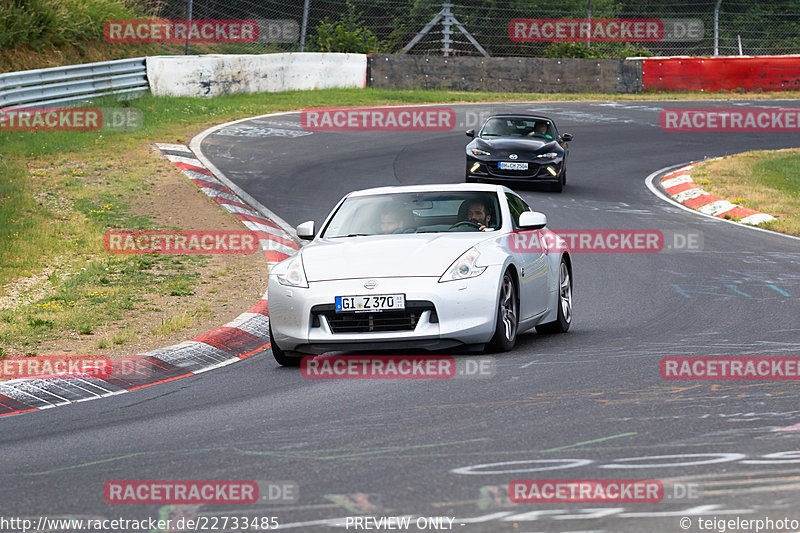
<point x="716" y="27"/>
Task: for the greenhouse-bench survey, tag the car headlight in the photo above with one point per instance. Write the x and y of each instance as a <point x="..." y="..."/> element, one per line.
<point x="294" y="275"/>
<point x="464" y="267"/>
<point x="477" y="151"/>
<point x="548" y="155"/>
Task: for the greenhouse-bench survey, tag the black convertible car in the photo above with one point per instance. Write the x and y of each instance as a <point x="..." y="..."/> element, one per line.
<point x="518" y="148"/>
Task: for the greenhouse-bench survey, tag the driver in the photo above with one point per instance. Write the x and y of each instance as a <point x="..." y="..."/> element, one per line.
<point x="478" y="213"/>
<point x="541" y="129"/>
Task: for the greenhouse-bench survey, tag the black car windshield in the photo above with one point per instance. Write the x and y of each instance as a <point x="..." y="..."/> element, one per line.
<point x="415" y="212"/>
<point x="518" y="127"/>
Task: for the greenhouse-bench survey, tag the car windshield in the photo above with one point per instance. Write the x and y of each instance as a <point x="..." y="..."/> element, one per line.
<point x="415" y="212"/>
<point x="518" y="127"/>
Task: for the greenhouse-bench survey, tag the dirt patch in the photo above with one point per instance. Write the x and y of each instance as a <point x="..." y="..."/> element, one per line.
<point x="228" y="284"/>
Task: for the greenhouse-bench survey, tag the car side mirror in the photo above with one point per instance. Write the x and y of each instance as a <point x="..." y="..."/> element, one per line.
<point x="470" y="133"/>
<point x="532" y="220"/>
<point x="306" y="230"/>
<point x="566" y="136"/>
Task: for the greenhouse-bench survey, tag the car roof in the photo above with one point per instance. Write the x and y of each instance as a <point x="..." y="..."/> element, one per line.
<point x="447" y="187"/>
<point x="520" y="115"/>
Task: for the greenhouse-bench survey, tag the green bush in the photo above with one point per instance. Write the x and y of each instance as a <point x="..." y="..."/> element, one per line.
<point x="347" y="34"/>
<point x="580" y="50"/>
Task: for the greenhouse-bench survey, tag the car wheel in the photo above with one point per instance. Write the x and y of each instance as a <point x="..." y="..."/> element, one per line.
<point x="284" y="358"/>
<point x="505" y="334"/>
<point x="564" y="317"/>
<point x="559" y="185"/>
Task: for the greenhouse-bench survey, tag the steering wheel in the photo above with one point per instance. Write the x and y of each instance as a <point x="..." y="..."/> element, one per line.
<point x="467" y="223"/>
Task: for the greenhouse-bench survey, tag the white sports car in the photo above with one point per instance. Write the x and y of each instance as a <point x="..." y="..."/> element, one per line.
<point x="419" y="267"/>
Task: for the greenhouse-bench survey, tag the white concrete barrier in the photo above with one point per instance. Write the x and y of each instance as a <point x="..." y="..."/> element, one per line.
<point x="214" y="75"/>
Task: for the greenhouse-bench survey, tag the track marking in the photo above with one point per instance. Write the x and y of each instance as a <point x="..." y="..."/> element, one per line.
<point x="378" y="451"/>
<point x="589" y="442"/>
<point x="91" y="463"/>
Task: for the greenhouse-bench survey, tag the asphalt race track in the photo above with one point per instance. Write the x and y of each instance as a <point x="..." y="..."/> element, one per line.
<point x="584" y="405"/>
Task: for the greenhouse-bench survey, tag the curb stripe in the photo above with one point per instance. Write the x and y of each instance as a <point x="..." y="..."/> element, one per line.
<point x="13" y="405"/>
<point x="194" y="169"/>
<point x="271" y="244"/>
<point x="259" y="219"/>
<point x="206" y="184"/>
<point x="33" y="401"/>
<point x="218" y="196"/>
<point x="261" y="307"/>
<point x="680" y="186"/>
<point x="276" y="257"/>
<point x="224" y="201"/>
<point x="231" y="340"/>
<point x="688" y="194"/>
<point x="270" y="234"/>
<point x="720" y="207"/>
<point x="175" y="147"/>
<point x="179" y="153"/>
<point x="700" y="200"/>
<point x="756" y="219"/>
<point x="668" y="182"/>
<point x="675" y="189"/>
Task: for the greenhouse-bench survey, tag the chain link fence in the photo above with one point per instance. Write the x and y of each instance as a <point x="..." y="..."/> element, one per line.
<point x="525" y="28"/>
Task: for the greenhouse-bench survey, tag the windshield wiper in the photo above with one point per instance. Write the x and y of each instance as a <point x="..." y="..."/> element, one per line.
<point x="354" y="235"/>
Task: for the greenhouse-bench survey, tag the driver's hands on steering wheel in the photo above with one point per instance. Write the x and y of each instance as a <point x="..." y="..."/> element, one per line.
<point x="470" y="223"/>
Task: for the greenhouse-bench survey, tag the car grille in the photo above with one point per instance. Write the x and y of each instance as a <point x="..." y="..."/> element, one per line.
<point x="405" y="320"/>
<point x="534" y="169"/>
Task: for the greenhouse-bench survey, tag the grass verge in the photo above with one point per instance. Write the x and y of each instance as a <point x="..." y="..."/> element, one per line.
<point x="765" y="180"/>
<point x="61" y="191"/>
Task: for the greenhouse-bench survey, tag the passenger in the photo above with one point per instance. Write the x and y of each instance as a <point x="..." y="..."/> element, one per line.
<point x="394" y="220"/>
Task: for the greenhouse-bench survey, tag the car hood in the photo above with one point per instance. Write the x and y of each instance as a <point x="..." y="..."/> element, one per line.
<point x="381" y="256"/>
<point x="507" y="146"/>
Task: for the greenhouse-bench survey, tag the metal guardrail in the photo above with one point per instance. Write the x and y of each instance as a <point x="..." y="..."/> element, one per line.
<point x="47" y="86"/>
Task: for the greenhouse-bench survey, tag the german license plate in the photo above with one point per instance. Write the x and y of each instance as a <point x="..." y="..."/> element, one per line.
<point x="508" y="165"/>
<point x="371" y="303"/>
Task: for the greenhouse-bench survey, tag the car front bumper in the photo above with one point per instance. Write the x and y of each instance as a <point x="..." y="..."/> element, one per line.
<point x="537" y="170"/>
<point x="445" y="315"/>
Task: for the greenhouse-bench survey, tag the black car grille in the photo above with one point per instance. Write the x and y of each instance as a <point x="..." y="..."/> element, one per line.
<point x="405" y="320"/>
<point x="534" y="169"/>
